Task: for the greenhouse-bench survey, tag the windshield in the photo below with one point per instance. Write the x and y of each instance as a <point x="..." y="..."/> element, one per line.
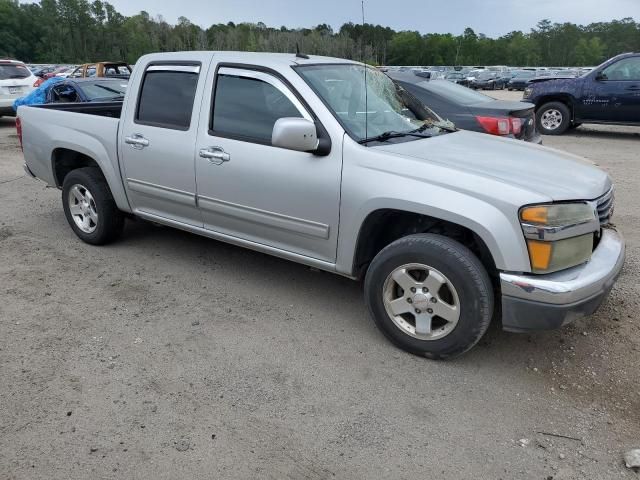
<point x="13" y="71"/>
<point x="525" y="74"/>
<point x="389" y="108"/>
<point x="486" y="75"/>
<point x="103" y="90"/>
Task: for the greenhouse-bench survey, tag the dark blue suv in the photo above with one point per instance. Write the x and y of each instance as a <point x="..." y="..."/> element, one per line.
<point x="609" y="94"/>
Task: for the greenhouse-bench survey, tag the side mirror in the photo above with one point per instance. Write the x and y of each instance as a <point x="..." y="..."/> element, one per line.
<point x="600" y="77"/>
<point x="295" y="134"/>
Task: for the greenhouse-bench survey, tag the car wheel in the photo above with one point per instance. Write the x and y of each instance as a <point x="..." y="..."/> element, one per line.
<point x="553" y="118"/>
<point x="429" y="295"/>
<point x="89" y="206"/>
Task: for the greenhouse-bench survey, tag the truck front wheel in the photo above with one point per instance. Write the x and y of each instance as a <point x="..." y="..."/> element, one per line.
<point x="89" y="206"/>
<point x="429" y="295"/>
<point x="554" y="118"/>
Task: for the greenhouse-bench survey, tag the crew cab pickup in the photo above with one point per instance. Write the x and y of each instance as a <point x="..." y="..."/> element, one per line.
<point x="609" y="94"/>
<point x="287" y="155"/>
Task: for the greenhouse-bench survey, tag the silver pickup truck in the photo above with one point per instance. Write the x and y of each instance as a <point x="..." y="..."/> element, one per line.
<point x="292" y="156"/>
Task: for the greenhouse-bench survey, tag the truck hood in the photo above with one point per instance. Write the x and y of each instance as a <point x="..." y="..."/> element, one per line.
<point x="556" y="80"/>
<point x="552" y="173"/>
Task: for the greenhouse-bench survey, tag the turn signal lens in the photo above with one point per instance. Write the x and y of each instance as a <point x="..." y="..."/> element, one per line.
<point x="534" y="215"/>
<point x="539" y="254"/>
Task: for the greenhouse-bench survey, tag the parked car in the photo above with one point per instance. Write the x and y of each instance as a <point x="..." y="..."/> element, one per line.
<point x="16" y="80"/>
<point x="102" y="69"/>
<point x="287" y="156"/>
<point x="470" y="110"/>
<point x="488" y="80"/>
<point x="608" y="94"/>
<point x="521" y="79"/>
<point x="87" y="90"/>
<point x="455" y="77"/>
<point x="61" y="71"/>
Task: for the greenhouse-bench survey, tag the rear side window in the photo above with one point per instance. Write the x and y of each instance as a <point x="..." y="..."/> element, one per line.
<point x="9" y="71"/>
<point x="247" y="108"/>
<point x="166" y="98"/>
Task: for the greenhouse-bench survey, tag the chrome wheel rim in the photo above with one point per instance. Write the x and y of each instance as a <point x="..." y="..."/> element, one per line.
<point x="83" y="209"/>
<point x="421" y="301"/>
<point x="551" y="119"/>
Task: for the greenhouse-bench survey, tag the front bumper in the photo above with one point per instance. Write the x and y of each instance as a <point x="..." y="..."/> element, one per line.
<point x="543" y="302"/>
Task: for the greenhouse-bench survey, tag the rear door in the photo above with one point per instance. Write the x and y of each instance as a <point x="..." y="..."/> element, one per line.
<point x="157" y="139"/>
<point x="613" y="94"/>
<point x="280" y="198"/>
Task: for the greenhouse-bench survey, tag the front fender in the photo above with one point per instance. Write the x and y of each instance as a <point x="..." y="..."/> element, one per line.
<point x="502" y="236"/>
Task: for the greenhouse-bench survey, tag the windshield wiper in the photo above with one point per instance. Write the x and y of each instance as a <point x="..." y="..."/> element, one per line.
<point x="383" y="137"/>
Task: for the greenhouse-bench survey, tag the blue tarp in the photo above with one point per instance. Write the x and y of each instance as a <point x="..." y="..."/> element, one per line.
<point x="38" y="96"/>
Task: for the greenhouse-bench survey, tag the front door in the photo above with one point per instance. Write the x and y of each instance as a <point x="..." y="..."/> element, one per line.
<point x="285" y="199"/>
<point x="614" y="96"/>
<point x="157" y="141"/>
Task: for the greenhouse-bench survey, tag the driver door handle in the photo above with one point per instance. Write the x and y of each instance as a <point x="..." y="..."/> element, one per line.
<point x="215" y="155"/>
<point x="634" y="87"/>
<point x="137" y="141"/>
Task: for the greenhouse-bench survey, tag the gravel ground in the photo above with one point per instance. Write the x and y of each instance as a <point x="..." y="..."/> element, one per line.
<point x="167" y="355"/>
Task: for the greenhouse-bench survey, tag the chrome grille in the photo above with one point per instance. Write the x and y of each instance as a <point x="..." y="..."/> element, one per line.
<point x="604" y="206"/>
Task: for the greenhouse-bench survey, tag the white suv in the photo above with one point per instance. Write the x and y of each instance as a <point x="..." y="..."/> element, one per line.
<point x="16" y="81"/>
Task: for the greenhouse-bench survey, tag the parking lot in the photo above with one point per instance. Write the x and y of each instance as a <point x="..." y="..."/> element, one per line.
<point x="167" y="355"/>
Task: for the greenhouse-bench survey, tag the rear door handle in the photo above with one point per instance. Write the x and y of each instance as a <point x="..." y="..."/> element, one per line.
<point x="215" y="155"/>
<point x="137" y="141"/>
<point x="634" y="87"/>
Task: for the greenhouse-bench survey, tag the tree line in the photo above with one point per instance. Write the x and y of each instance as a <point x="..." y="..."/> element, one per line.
<point x="78" y="31"/>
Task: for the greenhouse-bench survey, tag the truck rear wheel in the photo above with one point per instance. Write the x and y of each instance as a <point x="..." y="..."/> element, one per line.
<point x="554" y="118"/>
<point x="429" y="295"/>
<point x="90" y="208"/>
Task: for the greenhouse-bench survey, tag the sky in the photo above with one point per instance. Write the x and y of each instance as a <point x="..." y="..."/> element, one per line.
<point x="491" y="17"/>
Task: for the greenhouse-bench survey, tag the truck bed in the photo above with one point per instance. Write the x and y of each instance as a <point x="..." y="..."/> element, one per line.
<point x="86" y="128"/>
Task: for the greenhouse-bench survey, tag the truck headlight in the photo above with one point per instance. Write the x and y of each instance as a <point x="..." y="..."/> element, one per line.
<point x="559" y="236"/>
<point x="527" y="92"/>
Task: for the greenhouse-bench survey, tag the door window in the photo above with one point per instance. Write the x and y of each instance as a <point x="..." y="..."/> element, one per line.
<point x="626" y="69"/>
<point x="167" y="95"/>
<point x="247" y="104"/>
<point x="64" y="94"/>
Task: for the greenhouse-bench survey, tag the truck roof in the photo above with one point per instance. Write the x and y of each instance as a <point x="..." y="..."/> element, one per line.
<point x="266" y="59"/>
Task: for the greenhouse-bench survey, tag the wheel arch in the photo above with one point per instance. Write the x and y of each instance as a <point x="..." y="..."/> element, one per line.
<point x="564" y="98"/>
<point x="66" y="158"/>
<point x="386" y="225"/>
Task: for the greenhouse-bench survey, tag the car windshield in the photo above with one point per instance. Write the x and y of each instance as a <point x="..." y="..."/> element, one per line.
<point x="525" y="74"/>
<point x="388" y="108"/>
<point x="13" y="71"/>
<point x="454" y="75"/>
<point x="103" y="90"/>
<point x="486" y="75"/>
<point x="455" y="93"/>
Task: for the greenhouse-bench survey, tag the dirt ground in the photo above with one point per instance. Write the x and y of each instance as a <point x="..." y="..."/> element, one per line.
<point x="167" y="355"/>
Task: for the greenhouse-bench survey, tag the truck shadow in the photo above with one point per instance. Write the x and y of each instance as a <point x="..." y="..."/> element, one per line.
<point x="317" y="291"/>
<point x="599" y="131"/>
<point x="7" y="122"/>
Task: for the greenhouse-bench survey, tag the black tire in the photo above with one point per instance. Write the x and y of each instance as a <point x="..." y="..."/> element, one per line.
<point x="461" y="267"/>
<point x="110" y="220"/>
<point x="564" y="124"/>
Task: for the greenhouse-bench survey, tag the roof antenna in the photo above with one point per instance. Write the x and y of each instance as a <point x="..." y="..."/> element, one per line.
<point x="300" y="55"/>
<point x="366" y="102"/>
